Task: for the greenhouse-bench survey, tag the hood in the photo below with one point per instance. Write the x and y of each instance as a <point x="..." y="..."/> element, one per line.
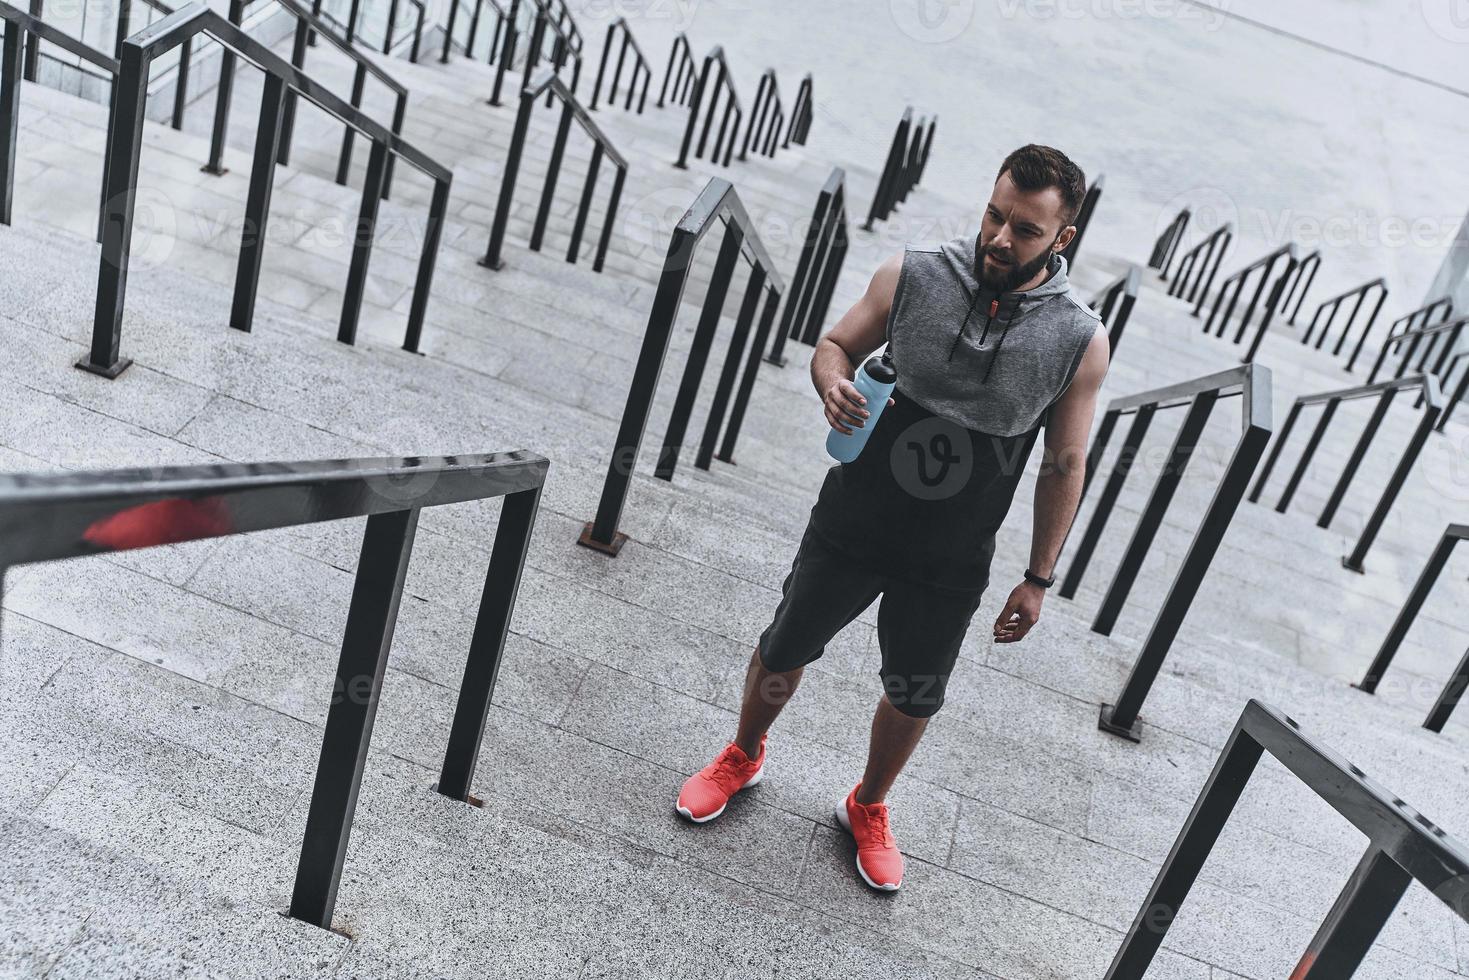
<point x="989" y="308"/>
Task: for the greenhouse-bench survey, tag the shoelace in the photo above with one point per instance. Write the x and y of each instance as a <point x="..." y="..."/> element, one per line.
<point x="878" y="816"/>
<point x="727" y="766"/>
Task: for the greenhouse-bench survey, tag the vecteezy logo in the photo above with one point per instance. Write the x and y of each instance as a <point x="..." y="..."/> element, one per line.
<point x="932" y="21"/>
<point x="932" y="459"/>
<point x="1449" y="19"/>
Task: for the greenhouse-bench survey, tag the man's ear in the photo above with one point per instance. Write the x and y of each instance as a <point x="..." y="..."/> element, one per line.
<point x="1067" y="233"/>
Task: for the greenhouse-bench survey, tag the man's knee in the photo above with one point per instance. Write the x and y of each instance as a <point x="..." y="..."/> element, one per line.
<point x="915" y="695"/>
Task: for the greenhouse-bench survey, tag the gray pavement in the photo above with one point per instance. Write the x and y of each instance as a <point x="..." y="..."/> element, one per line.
<point x="165" y="707"/>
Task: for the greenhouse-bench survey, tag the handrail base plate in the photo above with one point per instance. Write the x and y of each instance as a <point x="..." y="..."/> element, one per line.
<point x="1104" y="723"/>
<point x="110" y="372"/>
<point x="587" y="541"/>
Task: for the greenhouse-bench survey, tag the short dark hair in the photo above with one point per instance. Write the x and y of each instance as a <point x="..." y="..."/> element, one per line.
<point x="1034" y="168"/>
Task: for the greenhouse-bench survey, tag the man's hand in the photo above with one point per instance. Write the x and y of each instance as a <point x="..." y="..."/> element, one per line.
<point x="845" y="407"/>
<point x="1022" y="611"/>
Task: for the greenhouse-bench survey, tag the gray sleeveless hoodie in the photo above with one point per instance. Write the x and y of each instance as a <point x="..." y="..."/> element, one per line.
<point x="998" y="375"/>
<point x="935" y="481"/>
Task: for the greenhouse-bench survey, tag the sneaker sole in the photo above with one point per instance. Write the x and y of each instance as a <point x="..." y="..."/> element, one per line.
<point x="841" y="815"/>
<point x="684" y="812"/>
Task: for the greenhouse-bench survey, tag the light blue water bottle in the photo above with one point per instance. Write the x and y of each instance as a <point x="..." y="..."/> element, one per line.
<point x="875" y="381"/>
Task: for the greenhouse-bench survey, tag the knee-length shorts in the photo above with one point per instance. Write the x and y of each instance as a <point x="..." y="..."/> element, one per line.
<point x="919" y="628"/>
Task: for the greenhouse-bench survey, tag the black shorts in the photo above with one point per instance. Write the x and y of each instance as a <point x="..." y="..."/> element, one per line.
<point x="919" y="628"/>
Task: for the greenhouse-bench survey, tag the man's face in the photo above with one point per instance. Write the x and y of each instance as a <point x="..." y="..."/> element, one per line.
<point x="1020" y="231"/>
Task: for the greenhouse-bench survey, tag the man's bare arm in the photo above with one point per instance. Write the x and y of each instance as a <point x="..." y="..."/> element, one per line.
<point x="1058" y="487"/>
<point x="858" y="333"/>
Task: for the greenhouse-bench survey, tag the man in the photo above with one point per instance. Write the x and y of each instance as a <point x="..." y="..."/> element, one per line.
<point x="989" y="346"/>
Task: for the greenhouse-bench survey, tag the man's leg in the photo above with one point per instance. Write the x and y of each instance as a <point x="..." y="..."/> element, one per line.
<point x="766" y="693"/>
<point x="894" y="737"/>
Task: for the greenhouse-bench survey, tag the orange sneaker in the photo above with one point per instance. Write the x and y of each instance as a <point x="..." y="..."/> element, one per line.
<point x="706" y="793"/>
<point x="879" y="861"/>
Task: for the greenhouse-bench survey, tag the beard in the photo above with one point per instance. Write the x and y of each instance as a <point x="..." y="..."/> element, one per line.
<point x="1010" y="277"/>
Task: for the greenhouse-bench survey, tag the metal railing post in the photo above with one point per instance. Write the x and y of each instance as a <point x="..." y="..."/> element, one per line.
<point x="438" y="211"/>
<point x="584" y="207"/>
<point x="1300" y="471"/>
<point x="257" y="203"/>
<point x="1121" y="467"/>
<point x="1366" y="903"/>
<point x="487" y="645"/>
<point x="688" y="387"/>
<point x="33" y="44"/>
<point x="553" y="173"/>
<point x="492" y="258"/>
<point x="181" y="84"/>
<point x="1151" y="519"/>
<point x="362" y="239"/>
<point x="392" y="27"/>
<point x="10" y="78"/>
<point x="1217" y="800"/>
<point x="602" y="533"/>
<point x="449" y="32"/>
<point x="507" y="53"/>
<point x="344" y="162"/>
<point x="1121" y="716"/>
<point x="1406" y="615"/>
<point x="605" y="239"/>
<point x="223" y="96"/>
<point x="130" y="96"/>
<point x="724" y="388"/>
<point x="288" y="120"/>
<point x="1354" y="461"/>
<point x="1353" y="561"/>
<point x="381" y="570"/>
<point x="747" y="380"/>
<point x="700" y="84"/>
<point x="1449" y="699"/>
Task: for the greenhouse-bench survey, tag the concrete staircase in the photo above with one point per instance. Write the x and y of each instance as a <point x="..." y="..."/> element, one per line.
<point x="164" y="707"/>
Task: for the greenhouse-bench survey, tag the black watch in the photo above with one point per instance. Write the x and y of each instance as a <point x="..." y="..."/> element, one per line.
<point x="1035" y="579"/>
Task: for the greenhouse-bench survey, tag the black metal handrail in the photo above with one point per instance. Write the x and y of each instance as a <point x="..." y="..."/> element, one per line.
<point x="800" y="127"/>
<point x="22" y="27"/>
<point x="1252" y="383"/>
<point x="717" y="203"/>
<point x="1300" y="285"/>
<point x="364" y="67"/>
<point x="1084" y="218"/>
<point x="1114" y="304"/>
<point x="1454" y="690"/>
<point x="1460" y="389"/>
<point x="1447" y="329"/>
<point x="389" y="31"/>
<point x="1333" y="306"/>
<point x="1167" y="244"/>
<point x="126" y="148"/>
<point x="767" y="116"/>
<point x="1386" y="391"/>
<point x="123" y="20"/>
<point x="549" y="82"/>
<point x="1265" y="266"/>
<point x="823" y="253"/>
<point x="1199" y="266"/>
<point x="566" y="44"/>
<point x="1402" y="846"/>
<point x="640" y="66"/>
<point x="723" y="82"/>
<point x="907" y="158"/>
<point x="54" y="516"/>
<point x="682" y="71"/>
<point x="308" y="26"/>
<point x="474" y="18"/>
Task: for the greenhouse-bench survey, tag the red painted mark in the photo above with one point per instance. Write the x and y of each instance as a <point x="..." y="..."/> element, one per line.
<point x="1303" y="968"/>
<point x="994" y="307"/>
<point x="161" y="522"/>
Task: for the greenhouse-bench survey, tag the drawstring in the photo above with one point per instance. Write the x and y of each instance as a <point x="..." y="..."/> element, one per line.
<point x="1004" y="332"/>
<point x="972" y="304"/>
